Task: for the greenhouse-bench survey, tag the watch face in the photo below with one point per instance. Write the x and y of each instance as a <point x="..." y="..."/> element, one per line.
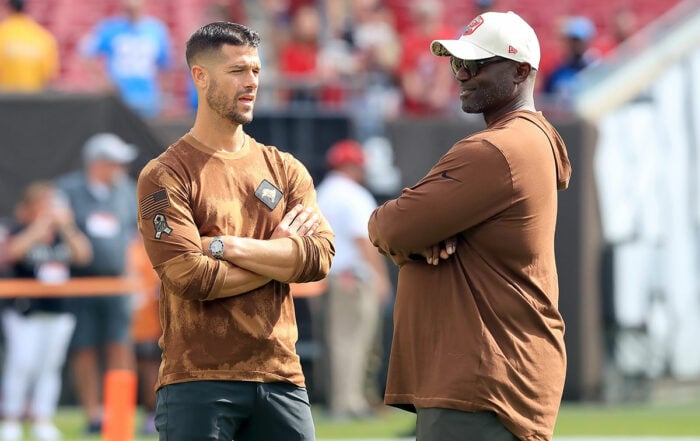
<point x="216" y="247"/>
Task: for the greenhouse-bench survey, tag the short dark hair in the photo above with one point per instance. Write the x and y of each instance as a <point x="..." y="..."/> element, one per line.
<point x="212" y="36"/>
<point x="16" y="5"/>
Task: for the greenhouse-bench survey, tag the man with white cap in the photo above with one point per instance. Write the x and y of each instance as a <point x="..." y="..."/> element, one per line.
<point x="103" y="198"/>
<point x="478" y="350"/>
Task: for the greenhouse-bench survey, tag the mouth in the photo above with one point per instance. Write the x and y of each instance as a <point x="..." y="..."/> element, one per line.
<point x="247" y="99"/>
<point x="465" y="92"/>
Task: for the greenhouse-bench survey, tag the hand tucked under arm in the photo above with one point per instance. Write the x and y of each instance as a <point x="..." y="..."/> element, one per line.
<point x="432" y="255"/>
<point x="441" y="251"/>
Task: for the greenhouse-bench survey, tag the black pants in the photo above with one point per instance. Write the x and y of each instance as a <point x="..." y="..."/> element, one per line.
<point x="233" y="410"/>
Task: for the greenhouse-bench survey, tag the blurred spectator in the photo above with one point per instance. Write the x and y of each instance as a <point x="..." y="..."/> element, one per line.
<point x="130" y="52"/>
<point x="146" y="331"/>
<point x="312" y="70"/>
<point x="427" y="84"/>
<point x="4" y="239"/>
<point x="337" y="68"/>
<point x="43" y="244"/>
<point x="220" y="10"/>
<point x="624" y="24"/>
<point x="482" y="6"/>
<point x="299" y="57"/>
<point x="578" y="33"/>
<point x="373" y="35"/>
<point x="103" y="199"/>
<point x="28" y="53"/>
<point x="273" y="19"/>
<point x="358" y="282"/>
<point x="376" y="50"/>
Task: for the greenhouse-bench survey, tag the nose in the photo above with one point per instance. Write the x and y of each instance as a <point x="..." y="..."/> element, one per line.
<point x="463" y="74"/>
<point x="252" y="80"/>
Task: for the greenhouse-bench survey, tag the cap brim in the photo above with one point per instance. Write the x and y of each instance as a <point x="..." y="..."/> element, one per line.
<point x="127" y="157"/>
<point x="458" y="48"/>
<point x="128" y="154"/>
<point x="124" y="154"/>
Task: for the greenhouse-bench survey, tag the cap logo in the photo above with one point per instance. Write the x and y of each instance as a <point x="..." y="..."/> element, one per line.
<point x="471" y="27"/>
<point x="512" y="50"/>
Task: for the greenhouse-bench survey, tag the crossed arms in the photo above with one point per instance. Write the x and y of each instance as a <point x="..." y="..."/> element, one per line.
<point x="299" y="249"/>
<point x="469" y="185"/>
<point x="257" y="262"/>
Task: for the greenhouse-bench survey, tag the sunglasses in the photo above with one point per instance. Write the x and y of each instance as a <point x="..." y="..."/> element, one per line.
<point x="472" y="66"/>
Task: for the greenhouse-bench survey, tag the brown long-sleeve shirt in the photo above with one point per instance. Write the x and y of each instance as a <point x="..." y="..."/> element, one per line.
<point x="481" y="330"/>
<point x="191" y="191"/>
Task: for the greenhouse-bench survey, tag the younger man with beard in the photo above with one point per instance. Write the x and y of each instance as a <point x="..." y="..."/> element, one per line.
<point x="227" y="224"/>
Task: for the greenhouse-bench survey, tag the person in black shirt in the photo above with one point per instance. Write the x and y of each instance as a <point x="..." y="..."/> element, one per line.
<point x="43" y="244"/>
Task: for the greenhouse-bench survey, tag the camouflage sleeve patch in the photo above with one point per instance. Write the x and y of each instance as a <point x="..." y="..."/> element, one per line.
<point x="160" y="223"/>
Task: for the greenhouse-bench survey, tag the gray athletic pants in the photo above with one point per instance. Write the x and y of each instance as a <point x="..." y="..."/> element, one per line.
<point x="434" y="424"/>
<point x="233" y="410"/>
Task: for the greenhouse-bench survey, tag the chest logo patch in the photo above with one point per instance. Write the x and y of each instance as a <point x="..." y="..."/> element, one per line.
<point x="268" y="194"/>
<point x="161" y="225"/>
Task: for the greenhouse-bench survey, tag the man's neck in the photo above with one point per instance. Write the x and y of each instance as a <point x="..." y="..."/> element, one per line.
<point x="516" y="106"/>
<point x="224" y="136"/>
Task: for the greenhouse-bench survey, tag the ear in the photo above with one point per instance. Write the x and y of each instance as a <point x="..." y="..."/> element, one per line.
<point x="200" y="76"/>
<point x="522" y="72"/>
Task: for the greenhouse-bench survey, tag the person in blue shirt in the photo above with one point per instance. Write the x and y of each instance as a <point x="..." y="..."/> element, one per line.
<point x="562" y="83"/>
<point x="134" y="51"/>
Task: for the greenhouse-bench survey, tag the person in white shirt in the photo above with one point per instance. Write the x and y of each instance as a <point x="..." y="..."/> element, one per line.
<point x="358" y="281"/>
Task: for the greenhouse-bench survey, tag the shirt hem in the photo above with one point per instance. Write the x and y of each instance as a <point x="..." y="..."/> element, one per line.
<point x="213" y="375"/>
<point x="411" y="402"/>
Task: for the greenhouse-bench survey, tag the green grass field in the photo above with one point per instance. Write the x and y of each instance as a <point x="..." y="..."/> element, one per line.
<point x="680" y="419"/>
<point x="666" y="420"/>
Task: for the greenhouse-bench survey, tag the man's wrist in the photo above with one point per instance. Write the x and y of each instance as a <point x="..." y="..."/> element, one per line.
<point x="233" y="247"/>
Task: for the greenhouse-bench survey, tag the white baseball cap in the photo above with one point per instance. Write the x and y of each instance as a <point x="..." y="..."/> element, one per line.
<point x="502" y="34"/>
<point x="108" y="147"/>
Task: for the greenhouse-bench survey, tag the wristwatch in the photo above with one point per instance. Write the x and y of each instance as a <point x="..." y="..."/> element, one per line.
<point x="216" y="247"/>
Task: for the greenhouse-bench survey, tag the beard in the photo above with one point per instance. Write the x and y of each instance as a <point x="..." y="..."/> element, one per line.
<point x="225" y="107"/>
<point x="483" y="99"/>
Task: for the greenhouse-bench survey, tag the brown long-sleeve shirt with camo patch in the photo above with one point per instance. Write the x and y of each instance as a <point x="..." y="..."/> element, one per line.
<point x="190" y="191"/>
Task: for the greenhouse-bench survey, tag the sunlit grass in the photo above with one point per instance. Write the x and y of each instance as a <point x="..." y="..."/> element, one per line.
<point x="680" y="419"/>
<point x="574" y="420"/>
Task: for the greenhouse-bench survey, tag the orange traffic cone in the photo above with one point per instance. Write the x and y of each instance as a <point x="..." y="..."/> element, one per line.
<point x="119" y="405"/>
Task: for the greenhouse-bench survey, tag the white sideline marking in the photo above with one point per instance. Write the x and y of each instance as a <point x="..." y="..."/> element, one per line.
<point x="560" y="438"/>
<point x="626" y="438"/>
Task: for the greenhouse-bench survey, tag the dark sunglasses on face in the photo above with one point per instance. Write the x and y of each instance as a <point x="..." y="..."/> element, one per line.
<point x="472" y="66"/>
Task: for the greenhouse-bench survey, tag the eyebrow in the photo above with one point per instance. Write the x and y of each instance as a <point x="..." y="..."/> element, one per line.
<point x="243" y="65"/>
